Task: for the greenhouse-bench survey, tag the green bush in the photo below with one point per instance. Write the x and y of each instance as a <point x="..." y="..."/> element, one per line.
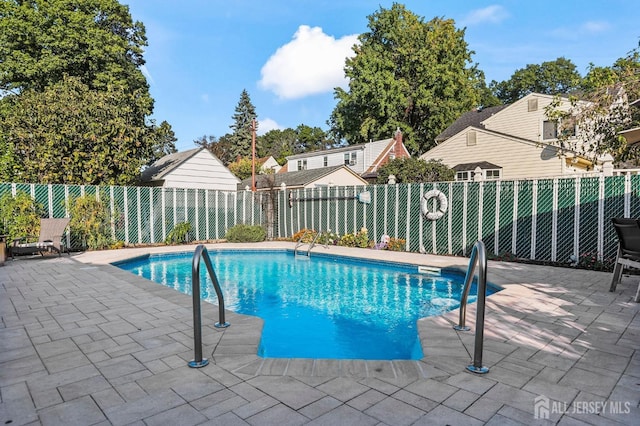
<point x="358" y="239"/>
<point x="19" y="216"/>
<point x="179" y="234"/>
<point x="246" y="234"/>
<point x="90" y="222"/>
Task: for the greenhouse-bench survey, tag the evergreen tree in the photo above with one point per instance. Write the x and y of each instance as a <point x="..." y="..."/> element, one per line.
<point x="241" y="137"/>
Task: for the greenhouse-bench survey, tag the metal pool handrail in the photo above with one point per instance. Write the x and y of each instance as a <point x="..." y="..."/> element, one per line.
<point x="201" y="252"/>
<point x="478" y="253"/>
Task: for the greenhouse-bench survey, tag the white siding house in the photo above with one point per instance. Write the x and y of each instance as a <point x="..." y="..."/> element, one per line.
<point x="513" y="141"/>
<point x="364" y="159"/>
<point x="321" y="177"/>
<point x="195" y="168"/>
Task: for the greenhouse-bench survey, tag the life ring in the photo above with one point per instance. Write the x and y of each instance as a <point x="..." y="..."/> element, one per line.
<point x="442" y="204"/>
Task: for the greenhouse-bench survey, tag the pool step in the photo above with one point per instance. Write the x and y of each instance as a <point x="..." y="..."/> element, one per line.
<point x="429" y="270"/>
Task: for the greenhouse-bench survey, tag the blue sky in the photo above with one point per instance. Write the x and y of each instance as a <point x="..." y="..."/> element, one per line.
<point x="289" y="54"/>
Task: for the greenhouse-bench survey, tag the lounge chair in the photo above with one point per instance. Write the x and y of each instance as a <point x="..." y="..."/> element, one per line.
<point x="628" y="231"/>
<point x="50" y="239"/>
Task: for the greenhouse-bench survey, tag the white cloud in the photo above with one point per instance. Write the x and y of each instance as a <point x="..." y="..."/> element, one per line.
<point x="492" y="14"/>
<point x="595" y="27"/>
<point x="311" y="63"/>
<point x="267" y="124"/>
<point x="580" y="31"/>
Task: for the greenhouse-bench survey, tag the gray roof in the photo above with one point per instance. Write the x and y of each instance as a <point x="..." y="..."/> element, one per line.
<point x="291" y="179"/>
<point x="484" y="165"/>
<point x="166" y="164"/>
<point x="471" y="118"/>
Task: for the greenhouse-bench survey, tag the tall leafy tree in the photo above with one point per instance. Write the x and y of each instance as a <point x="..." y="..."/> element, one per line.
<point x="241" y="135"/>
<point x="73" y="99"/>
<point x="549" y="78"/>
<point x="405" y="73"/>
<point x="71" y="134"/>
<point x="95" y="40"/>
<point x="163" y="141"/>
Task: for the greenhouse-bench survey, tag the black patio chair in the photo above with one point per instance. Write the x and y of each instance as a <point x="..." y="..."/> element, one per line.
<point x="628" y="231"/>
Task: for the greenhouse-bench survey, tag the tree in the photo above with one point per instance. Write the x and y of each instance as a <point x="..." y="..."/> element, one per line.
<point x="602" y="111"/>
<point x="164" y="141"/>
<point x="241" y="137"/>
<point x="242" y="168"/>
<point x="277" y="143"/>
<point x="94" y="40"/>
<point x="549" y="78"/>
<point x="406" y="73"/>
<point x="412" y="169"/>
<point x="221" y="148"/>
<point x="73" y="99"/>
<point x="71" y="134"/>
<point x="311" y="139"/>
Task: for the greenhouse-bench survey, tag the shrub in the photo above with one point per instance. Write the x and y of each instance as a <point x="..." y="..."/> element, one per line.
<point x="396" y="244"/>
<point x="19" y="216"/>
<point x="246" y="234"/>
<point x="328" y="238"/>
<point x="590" y="261"/>
<point x="90" y="222"/>
<point x="179" y="234"/>
<point x="359" y="239"/>
<point x="308" y="234"/>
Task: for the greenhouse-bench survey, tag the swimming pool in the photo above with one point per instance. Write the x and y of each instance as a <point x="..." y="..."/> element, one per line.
<point x="318" y="307"/>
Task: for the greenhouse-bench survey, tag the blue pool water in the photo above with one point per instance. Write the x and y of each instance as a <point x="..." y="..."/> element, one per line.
<point x="322" y="307"/>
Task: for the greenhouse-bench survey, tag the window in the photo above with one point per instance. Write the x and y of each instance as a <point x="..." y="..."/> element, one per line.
<point x="462" y="175"/>
<point x="346" y="159"/>
<point x="471" y="138"/>
<point x="302" y="164"/>
<point x="492" y="174"/>
<point x="325" y="161"/>
<point x="549" y="130"/>
<point x="354" y="157"/>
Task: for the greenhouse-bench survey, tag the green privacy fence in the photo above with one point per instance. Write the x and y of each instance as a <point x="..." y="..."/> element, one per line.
<point x="145" y="215"/>
<point x="540" y="219"/>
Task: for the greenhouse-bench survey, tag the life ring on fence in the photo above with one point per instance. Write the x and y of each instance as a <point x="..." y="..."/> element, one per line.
<point x="442" y="204"/>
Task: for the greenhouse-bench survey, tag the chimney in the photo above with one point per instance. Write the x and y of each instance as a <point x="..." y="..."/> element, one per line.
<point x="398" y="151"/>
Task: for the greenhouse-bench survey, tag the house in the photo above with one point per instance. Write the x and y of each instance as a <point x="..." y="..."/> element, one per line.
<point x="339" y="175"/>
<point x="514" y="141"/>
<point x="364" y="159"/>
<point x="195" y="168"/>
<point x="268" y="165"/>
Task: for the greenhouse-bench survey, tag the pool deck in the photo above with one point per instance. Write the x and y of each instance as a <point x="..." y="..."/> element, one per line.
<point x="85" y="343"/>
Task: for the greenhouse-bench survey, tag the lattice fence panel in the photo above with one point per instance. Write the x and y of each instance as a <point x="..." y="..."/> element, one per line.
<point x="544" y="218"/>
<point x="563" y="240"/>
<point x="589" y="201"/>
<point x="613" y="206"/>
<point x="505" y="198"/>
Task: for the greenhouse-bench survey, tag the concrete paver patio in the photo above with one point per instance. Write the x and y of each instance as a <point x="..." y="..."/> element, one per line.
<point x="83" y="342"/>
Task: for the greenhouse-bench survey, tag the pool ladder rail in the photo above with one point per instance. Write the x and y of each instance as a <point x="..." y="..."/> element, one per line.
<point x="202" y="253"/>
<point x="311" y="244"/>
<point x="479" y="254"/>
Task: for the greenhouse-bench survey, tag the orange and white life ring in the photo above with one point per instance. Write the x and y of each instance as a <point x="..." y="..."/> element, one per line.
<point x="426" y="201"/>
